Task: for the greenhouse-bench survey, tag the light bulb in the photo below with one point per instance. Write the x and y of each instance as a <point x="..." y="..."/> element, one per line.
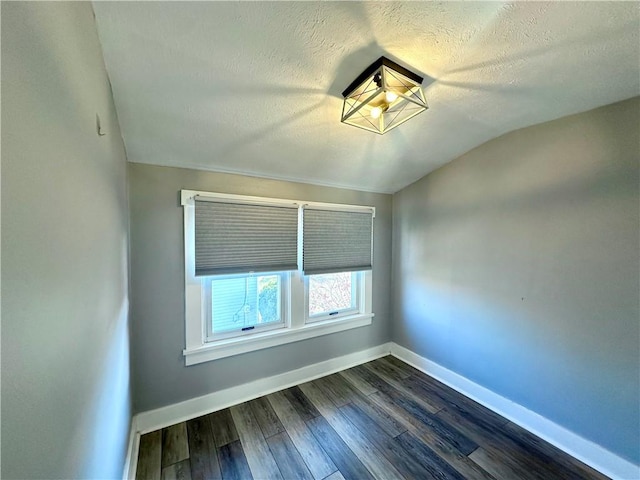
<point x="391" y="97"/>
<point x="376" y="112"/>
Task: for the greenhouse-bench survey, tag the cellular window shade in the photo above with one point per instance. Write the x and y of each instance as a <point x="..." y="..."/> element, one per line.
<point x="241" y="238"/>
<point x="336" y="241"/>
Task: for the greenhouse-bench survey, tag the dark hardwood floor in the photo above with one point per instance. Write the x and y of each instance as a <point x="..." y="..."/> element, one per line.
<point x="383" y="419"/>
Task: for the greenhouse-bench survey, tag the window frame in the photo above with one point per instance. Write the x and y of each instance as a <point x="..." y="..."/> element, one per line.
<point x="198" y="349"/>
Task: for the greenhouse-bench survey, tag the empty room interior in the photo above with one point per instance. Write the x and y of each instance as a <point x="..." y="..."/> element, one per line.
<point x="320" y="240"/>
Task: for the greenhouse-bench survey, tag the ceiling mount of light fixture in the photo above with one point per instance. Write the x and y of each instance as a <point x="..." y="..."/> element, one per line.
<point x="384" y="96"/>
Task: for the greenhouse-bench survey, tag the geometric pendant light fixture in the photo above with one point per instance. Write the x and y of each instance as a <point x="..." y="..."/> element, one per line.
<point x="384" y="96"/>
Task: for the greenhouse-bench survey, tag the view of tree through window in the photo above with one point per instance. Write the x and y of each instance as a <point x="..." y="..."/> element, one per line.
<point x="331" y="292"/>
<point x="269" y="298"/>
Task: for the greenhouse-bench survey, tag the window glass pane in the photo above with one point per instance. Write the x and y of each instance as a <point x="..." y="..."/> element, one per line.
<point x="247" y="301"/>
<point x="332" y="292"/>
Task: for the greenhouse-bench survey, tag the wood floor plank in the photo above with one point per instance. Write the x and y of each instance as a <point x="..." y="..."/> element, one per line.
<point x="350" y="467"/>
<point x="533" y="452"/>
<point x="550" y="453"/>
<point x="339" y="391"/>
<point x="223" y="428"/>
<point x="443" y="430"/>
<point x="267" y="418"/>
<point x="335" y="476"/>
<point x="256" y="449"/>
<point x="420" y="390"/>
<point x="233" y="462"/>
<point x="202" y="450"/>
<point x="175" y="446"/>
<point x="382" y="418"/>
<point x="395" y="361"/>
<point x="305" y="409"/>
<point x="446" y="431"/>
<point x="371" y="378"/>
<point x="288" y="458"/>
<point x="498" y="447"/>
<point x="358" y="382"/>
<point x="392" y="369"/>
<point x="499" y="467"/>
<point x="449" y="398"/>
<point x="150" y="456"/>
<point x="366" y="452"/>
<point x="452" y="456"/>
<point x="438" y="468"/>
<point x="399" y="457"/>
<point x="385" y="421"/>
<point x="177" y="471"/>
<point x="398" y="387"/>
<point x="319" y="463"/>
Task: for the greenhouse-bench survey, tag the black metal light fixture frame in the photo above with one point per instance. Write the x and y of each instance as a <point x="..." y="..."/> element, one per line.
<point x="382" y="97"/>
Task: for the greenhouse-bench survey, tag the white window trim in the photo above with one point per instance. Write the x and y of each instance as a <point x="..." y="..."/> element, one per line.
<point x="198" y="350"/>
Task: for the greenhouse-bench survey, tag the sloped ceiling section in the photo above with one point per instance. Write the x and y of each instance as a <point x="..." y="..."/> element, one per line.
<point x="254" y="87"/>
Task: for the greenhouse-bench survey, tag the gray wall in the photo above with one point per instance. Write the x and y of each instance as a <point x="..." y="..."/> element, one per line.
<point x="66" y="404"/>
<point x="157" y="287"/>
<point x="517" y="264"/>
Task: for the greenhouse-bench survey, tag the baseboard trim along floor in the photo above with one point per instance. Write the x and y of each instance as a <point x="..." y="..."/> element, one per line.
<point x="576" y="446"/>
<point x="163" y="417"/>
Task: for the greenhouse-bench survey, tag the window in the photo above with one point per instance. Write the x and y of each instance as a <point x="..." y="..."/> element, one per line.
<point x="261" y="272"/>
<point x="332" y="295"/>
<point x="243" y="304"/>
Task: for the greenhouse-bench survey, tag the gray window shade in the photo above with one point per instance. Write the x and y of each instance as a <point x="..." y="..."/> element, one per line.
<point x="336" y="241"/>
<point x="239" y="238"/>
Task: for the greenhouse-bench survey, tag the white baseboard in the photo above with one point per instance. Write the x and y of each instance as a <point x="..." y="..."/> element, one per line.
<point x="584" y="450"/>
<point x="195" y="407"/>
<point x="179" y="412"/>
<point x="131" y="463"/>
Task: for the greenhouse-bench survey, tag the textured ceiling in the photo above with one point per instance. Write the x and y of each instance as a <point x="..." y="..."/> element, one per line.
<point x="254" y="88"/>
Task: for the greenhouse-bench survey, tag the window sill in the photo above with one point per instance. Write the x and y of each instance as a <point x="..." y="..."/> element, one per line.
<point x="259" y="341"/>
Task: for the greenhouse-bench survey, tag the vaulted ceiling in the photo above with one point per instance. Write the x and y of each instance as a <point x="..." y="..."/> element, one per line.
<point x="255" y="87"/>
